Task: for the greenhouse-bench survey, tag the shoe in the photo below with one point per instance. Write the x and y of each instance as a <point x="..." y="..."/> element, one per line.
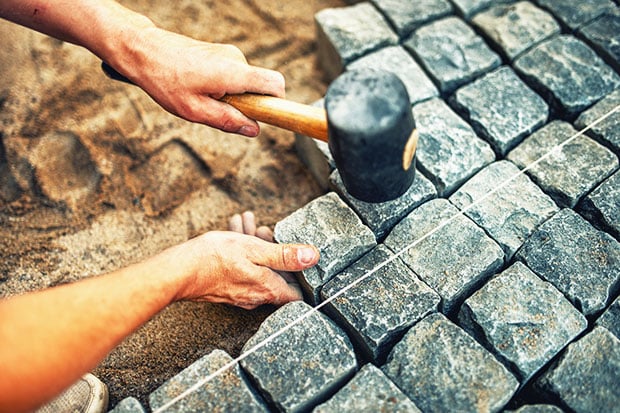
<point x="87" y="395"/>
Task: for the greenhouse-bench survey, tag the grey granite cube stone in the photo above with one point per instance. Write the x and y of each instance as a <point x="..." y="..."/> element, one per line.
<point x="568" y="74"/>
<point x="405" y="16"/>
<point x="448" y="152"/>
<point x="395" y="59"/>
<point x="603" y="34"/>
<point x="128" y="405"/>
<point x="503" y="125"/>
<point x="227" y="391"/>
<point x="586" y="376"/>
<point x="441" y="368"/>
<point x="565" y="164"/>
<point x="602" y="206"/>
<point x="381" y="217"/>
<point x="346" y="33"/>
<point x="298" y="358"/>
<point x="446" y="250"/>
<point x="576" y="14"/>
<point x="610" y="319"/>
<point x="536" y="408"/>
<point x="515" y="28"/>
<point x="330" y="225"/>
<point x="369" y="391"/>
<point x="607" y="131"/>
<point x="506" y="204"/>
<point x="451" y="52"/>
<point x="377" y="310"/>
<point x="523" y="320"/>
<point x="582" y="262"/>
<point x="467" y="8"/>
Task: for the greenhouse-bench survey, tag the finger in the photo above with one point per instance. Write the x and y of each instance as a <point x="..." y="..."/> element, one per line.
<point x="235" y="223"/>
<point x="220" y="115"/>
<point x="284" y="257"/>
<point x="249" y="223"/>
<point x="264" y="233"/>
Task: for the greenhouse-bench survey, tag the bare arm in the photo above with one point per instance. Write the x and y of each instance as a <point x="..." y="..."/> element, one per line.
<point x="50" y="338"/>
<point x="185" y="76"/>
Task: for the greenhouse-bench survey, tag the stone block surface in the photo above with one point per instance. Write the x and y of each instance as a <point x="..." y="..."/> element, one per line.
<point x="395" y="59"/>
<point x="568" y="74"/>
<point x="522" y="111"/>
<point x="607" y="131"/>
<point x="580" y="261"/>
<point x="603" y="34"/>
<point x="346" y="33"/>
<point x="228" y="391"/>
<point x="515" y="28"/>
<point x="448" y="152"/>
<point x="564" y="165"/>
<point x="586" y="376"/>
<point x="537" y="408"/>
<point x="330" y="225"/>
<point x="369" y="391"/>
<point x="377" y="310"/>
<point x="451" y="52"/>
<point x="576" y="14"/>
<point x="469" y="7"/>
<point x="523" y="320"/>
<point x="610" y="319"/>
<point x="506" y="204"/>
<point x="441" y="368"/>
<point x="602" y="206"/>
<point x="405" y="16"/>
<point x="382" y="216"/>
<point x="128" y="405"/>
<point x="446" y="250"/>
<point x="305" y="364"/>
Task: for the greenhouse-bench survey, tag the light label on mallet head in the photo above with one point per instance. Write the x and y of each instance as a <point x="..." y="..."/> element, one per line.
<point x="409" y="151"/>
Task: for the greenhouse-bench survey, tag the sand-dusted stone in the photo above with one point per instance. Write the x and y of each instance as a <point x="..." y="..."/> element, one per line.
<point x="226" y="391"/>
<point x="442" y="368"/>
<point x="9" y="188"/>
<point x="536" y="408"/>
<point x="449" y="152"/>
<point x="347" y="33"/>
<point x="580" y="261"/>
<point x="607" y="131"/>
<point x="396" y="59"/>
<point x="515" y="28"/>
<point x="369" y="391"/>
<point x="507" y="204"/>
<point x="330" y="225"/>
<point x="405" y="16"/>
<point x="523" y="320"/>
<point x="302" y="366"/>
<point x="446" y="250"/>
<point x="522" y="111"/>
<point x="128" y="405"/>
<point x="576" y="14"/>
<point x="568" y="74"/>
<point x="610" y="319"/>
<point x="602" y="206"/>
<point x="467" y="8"/>
<point x="586" y="377"/>
<point x="377" y="310"/>
<point x="451" y="52"/>
<point x="603" y="34"/>
<point x="564" y="164"/>
<point x="382" y="216"/>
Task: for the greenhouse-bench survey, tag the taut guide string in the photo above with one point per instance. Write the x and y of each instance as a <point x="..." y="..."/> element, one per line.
<point x="315" y="309"/>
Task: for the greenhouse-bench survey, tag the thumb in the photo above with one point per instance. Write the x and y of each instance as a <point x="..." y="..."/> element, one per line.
<point x="286" y="257"/>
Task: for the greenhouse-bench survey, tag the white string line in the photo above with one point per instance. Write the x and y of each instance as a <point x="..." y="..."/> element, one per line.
<point x="382" y="264"/>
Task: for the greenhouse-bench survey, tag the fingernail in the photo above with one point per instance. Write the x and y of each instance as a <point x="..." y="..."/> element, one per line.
<point x="306" y="255"/>
<point x="249" y="131"/>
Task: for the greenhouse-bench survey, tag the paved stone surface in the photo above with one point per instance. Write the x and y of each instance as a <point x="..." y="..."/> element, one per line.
<point x="510" y="214"/>
<point x="228" y="391"/>
<point x="468" y="7"/>
<point x="407" y="16"/>
<point x="606" y="132"/>
<point x="455" y="259"/>
<point x="576" y="14"/>
<point x="128" y="405"/>
<point x="522" y="111"/>
<point x="515" y="28"/>
<point x="396" y="59"/>
<point x="451" y="52"/>
<point x="568" y="74"/>
<point x="304" y="365"/>
<point x="586" y="377"/>
<point x="449" y="152"/>
<point x="441" y="368"/>
<point x="369" y="391"/>
<point x="602" y="206"/>
<point x="381" y="217"/>
<point x="346" y="33"/>
<point x="582" y="262"/>
<point x="603" y="34"/>
<point x="378" y="310"/>
<point x="537" y="408"/>
<point x="567" y="172"/>
<point x="522" y="319"/>
<point x="330" y="225"/>
<point x="610" y="319"/>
